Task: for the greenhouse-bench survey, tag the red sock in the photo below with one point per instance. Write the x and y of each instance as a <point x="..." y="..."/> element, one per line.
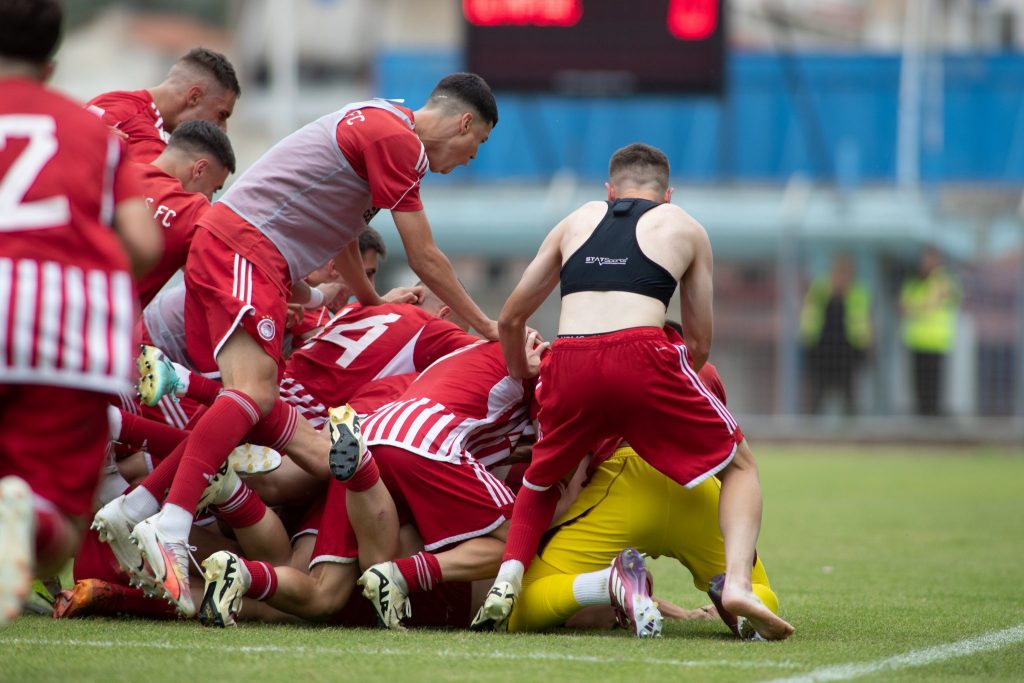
<point x="149" y="435"/>
<point x="264" y="580"/>
<point x="244" y="508"/>
<point x="53" y="535"/>
<point x="277" y="428"/>
<point x="133" y="601"/>
<point x="531" y="517"/>
<point x="219" y="430"/>
<point x="365" y="477"/>
<point x="422" y="571"/>
<point x="203" y="389"/>
<point x="159" y="480"/>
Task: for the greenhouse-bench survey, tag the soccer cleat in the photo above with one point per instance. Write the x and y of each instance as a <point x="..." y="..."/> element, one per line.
<point x="382" y="589"/>
<point x="227" y="580"/>
<point x="165" y="564"/>
<point x="347" y="445"/>
<point x="17" y="546"/>
<point x="497" y="608"/>
<point x="114" y="528"/>
<point x="157" y="377"/>
<point x="221" y="485"/>
<point x="630" y="585"/>
<point x="85" y="597"/>
<point x="250" y="459"/>
<point x="738" y="625"/>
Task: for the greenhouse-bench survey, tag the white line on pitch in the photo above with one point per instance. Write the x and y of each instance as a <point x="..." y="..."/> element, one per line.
<point x="221" y="648"/>
<point x="987" y="642"/>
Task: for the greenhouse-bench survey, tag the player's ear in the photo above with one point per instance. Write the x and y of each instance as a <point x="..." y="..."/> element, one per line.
<point x="193" y="95"/>
<point x="611" y="191"/>
<point x="465" y="122"/>
<point x="668" y="195"/>
<point x="47" y="71"/>
<point x="200" y="167"/>
<point x="444" y="312"/>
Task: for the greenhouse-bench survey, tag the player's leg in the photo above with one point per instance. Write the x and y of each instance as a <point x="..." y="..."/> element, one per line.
<point x="739" y="515"/>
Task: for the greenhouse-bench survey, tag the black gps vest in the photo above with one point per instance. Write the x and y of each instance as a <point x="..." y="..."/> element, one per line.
<point x="611" y="259"/>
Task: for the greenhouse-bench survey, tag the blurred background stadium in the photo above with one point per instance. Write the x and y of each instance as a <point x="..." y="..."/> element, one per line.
<point x="800" y="132"/>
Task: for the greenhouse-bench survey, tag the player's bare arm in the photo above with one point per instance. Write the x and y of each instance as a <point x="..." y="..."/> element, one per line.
<point x="142" y="239"/>
<point x="539" y="278"/>
<point x="696" y="295"/>
<point x="435" y="270"/>
<point x="349" y="264"/>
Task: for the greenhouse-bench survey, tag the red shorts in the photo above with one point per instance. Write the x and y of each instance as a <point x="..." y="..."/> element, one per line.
<point x="636" y="385"/>
<point x="55" y="439"/>
<point x="224" y="290"/>
<point x="335" y="538"/>
<point x="448" y="503"/>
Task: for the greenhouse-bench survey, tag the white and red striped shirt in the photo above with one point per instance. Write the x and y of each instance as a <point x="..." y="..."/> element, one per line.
<point x="67" y="305"/>
<point x="464" y="404"/>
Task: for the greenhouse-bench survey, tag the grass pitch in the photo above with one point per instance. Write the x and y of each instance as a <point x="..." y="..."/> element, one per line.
<point x="893" y="564"/>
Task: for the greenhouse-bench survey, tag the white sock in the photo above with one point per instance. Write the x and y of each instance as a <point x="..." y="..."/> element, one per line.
<point x="139" y="504"/>
<point x="112" y="485"/>
<point x="592" y="588"/>
<point x="511" y="571"/>
<point x="175" y="521"/>
<point x="114" y="420"/>
<point x="183" y="376"/>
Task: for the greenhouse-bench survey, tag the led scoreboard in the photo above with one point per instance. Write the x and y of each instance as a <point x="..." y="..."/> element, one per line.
<point x="602" y="47"/>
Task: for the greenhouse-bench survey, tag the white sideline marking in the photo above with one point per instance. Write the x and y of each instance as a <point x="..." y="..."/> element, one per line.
<point x="221" y="648"/>
<point x="962" y="648"/>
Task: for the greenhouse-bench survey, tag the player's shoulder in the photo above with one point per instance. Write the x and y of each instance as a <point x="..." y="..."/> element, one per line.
<point x="675" y="218"/>
<point x="122" y="100"/>
<point x="71" y="118"/>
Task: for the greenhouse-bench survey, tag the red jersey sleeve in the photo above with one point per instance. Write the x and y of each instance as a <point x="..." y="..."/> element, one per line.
<point x="387" y="155"/>
<point x="128" y="182"/>
<point x="439" y="338"/>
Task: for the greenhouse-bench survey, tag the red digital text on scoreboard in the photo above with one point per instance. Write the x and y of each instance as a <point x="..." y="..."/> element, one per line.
<point x="686" y="20"/>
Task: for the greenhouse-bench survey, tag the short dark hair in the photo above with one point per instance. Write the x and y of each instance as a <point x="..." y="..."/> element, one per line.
<point x="468" y="89"/>
<point x="30" y="29"/>
<point x="215" y="64"/>
<point x="371" y="240"/>
<point x="639" y="164"/>
<point x="202" y="137"/>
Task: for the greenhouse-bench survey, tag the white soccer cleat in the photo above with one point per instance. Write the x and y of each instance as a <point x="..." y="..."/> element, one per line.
<point x="497" y="608"/>
<point x="114" y="528"/>
<point x="227" y="580"/>
<point x="17" y="546"/>
<point x="630" y="586"/>
<point x="382" y="588"/>
<point x="222" y="484"/>
<point x="250" y="459"/>
<point x="165" y="563"/>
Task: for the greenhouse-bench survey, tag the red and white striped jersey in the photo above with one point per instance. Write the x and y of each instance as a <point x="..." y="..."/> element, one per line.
<point x="67" y="304"/>
<point x="361" y="344"/>
<point x="464" y="404"/>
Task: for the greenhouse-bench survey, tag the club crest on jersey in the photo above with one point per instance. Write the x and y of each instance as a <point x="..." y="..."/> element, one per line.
<point x="266" y="328"/>
<point x="605" y="261"/>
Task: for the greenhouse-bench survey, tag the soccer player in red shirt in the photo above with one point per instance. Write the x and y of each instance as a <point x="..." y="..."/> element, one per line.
<point x="613" y="371"/>
<point x="304" y="201"/>
<point x="69" y="211"/>
<point x="179" y="185"/>
<point x="200" y="86"/>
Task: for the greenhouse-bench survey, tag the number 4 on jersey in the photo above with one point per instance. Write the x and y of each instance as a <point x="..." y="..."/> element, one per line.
<point x="372" y="328"/>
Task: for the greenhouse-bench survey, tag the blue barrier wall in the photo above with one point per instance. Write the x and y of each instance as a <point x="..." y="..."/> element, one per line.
<point x="829" y="117"/>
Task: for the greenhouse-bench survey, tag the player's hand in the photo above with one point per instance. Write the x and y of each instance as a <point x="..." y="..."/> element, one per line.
<point x="670" y="610"/>
<point x="404" y="295"/>
<point x="296" y="312"/>
<point x="330" y="290"/>
<point x="535" y="348"/>
<point x="118" y="133"/>
<point x="489" y="331"/>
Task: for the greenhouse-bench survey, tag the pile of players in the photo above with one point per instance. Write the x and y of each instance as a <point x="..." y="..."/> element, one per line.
<point x="408" y="468"/>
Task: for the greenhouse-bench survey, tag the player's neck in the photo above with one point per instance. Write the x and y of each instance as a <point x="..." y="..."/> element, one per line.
<point x="163" y="98"/>
<point x="16" y="68"/>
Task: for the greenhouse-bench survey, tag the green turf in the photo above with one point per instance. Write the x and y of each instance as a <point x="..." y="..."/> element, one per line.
<point x="874" y="553"/>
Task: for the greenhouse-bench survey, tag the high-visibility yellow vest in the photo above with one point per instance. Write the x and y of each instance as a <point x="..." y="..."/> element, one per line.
<point x="930" y="308"/>
<point x="856" y="313"/>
